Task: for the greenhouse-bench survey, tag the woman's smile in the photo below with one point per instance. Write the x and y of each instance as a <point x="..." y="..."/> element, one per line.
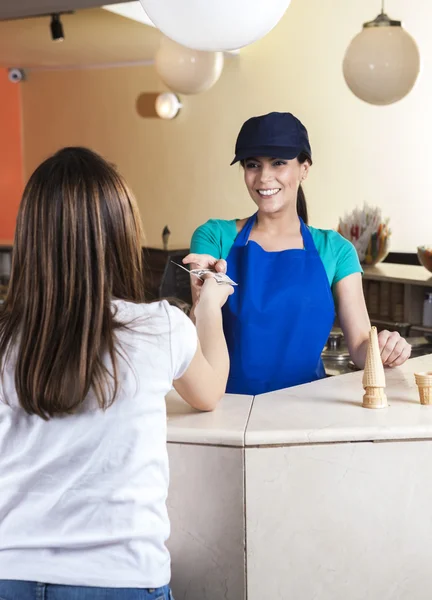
<point x="268" y="193"/>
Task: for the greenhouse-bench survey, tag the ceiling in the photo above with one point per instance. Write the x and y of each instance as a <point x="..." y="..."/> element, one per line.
<point x="93" y="37"/>
<point x="132" y="10"/>
<point x="10" y="9"/>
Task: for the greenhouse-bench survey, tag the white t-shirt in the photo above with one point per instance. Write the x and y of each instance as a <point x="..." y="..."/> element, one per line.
<point x="82" y="497"/>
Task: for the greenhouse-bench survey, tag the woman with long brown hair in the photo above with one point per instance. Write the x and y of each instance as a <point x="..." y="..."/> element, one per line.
<point x="85" y="366"/>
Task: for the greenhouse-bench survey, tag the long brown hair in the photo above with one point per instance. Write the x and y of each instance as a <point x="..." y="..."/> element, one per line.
<point x="77" y="246"/>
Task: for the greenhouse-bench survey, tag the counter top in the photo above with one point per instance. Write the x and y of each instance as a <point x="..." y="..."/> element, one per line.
<point x="326" y="411"/>
<point x="331" y="410"/>
<point x="411" y="274"/>
<point x="225" y="426"/>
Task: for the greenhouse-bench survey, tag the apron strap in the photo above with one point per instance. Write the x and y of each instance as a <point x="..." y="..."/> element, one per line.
<point x="243" y="235"/>
<point x="308" y="242"/>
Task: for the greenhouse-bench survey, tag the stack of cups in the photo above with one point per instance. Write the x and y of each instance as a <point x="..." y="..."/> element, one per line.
<point x="424" y="384"/>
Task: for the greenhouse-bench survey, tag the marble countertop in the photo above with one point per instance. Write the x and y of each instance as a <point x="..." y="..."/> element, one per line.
<point x="224" y="426"/>
<point x="331" y="410"/>
<point x="326" y="411"/>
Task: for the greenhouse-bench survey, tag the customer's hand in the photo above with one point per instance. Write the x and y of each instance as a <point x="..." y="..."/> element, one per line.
<point x="395" y="350"/>
<point x="202" y="261"/>
<point x="213" y="295"/>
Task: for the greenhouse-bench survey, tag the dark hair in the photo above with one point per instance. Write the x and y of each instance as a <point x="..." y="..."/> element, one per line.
<point x="302" y="210"/>
<point x="77" y="246"/>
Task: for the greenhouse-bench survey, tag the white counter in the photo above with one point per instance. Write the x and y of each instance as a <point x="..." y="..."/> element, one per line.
<point x="225" y="426"/>
<point x="329" y="410"/>
<point x="304" y="494"/>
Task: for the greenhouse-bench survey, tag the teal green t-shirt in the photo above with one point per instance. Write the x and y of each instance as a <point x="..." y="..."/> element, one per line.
<point x="338" y="255"/>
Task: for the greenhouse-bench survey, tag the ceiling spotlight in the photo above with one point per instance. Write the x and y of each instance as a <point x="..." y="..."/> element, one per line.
<point x="57" y="33"/>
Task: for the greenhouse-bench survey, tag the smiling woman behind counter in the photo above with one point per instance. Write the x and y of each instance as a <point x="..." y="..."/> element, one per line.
<point x="290" y="276"/>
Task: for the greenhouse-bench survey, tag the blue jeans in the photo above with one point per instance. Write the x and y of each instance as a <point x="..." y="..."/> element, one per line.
<point x="28" y="590"/>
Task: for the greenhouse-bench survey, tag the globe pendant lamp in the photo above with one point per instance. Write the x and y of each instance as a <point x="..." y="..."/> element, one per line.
<point x="187" y="71"/>
<point x="382" y="63"/>
<point x="215" y="25"/>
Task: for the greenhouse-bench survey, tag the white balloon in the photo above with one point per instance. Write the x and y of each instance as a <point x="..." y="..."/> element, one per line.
<point x="187" y="71"/>
<point x="215" y="25"/>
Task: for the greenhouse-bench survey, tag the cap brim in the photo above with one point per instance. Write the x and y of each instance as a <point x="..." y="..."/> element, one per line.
<point x="267" y="151"/>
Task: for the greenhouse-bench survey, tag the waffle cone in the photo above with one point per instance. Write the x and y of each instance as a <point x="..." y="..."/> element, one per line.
<point x="425" y="393"/>
<point x="424" y="379"/>
<point x="375" y="397"/>
<point x="373" y="376"/>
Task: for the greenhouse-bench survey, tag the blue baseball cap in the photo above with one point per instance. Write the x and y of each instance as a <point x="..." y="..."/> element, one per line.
<point x="276" y="135"/>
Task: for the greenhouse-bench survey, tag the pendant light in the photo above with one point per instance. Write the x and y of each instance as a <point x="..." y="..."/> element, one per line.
<point x="187" y="71"/>
<point x="215" y="25"/>
<point x="382" y="63"/>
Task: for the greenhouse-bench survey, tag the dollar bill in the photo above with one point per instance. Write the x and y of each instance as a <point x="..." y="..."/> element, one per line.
<point x="220" y="277"/>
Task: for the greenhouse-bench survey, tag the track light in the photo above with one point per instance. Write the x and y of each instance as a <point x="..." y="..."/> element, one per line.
<point x="57" y="33"/>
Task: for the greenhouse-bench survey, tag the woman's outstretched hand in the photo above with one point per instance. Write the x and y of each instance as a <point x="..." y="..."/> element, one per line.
<point x="213" y="295"/>
<point x="202" y="261"/>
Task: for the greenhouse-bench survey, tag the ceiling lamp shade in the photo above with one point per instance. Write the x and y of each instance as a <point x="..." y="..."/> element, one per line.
<point x="218" y="25"/>
<point x="167" y="105"/>
<point x="187" y="71"/>
<point x="382" y="63"/>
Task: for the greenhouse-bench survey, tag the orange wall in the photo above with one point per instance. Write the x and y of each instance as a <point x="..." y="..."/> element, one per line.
<point x="11" y="164"/>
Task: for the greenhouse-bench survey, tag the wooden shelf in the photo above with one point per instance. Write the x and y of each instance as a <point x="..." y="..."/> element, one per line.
<point x="422" y="328"/>
<point x="393" y="273"/>
<point x="395" y="295"/>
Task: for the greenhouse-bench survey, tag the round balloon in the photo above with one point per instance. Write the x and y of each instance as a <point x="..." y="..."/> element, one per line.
<point x="215" y="25"/>
<point x="187" y="71"/>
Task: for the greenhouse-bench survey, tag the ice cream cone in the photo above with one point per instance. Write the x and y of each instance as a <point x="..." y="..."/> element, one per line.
<point x="425" y="393"/>
<point x="373" y="376"/>
<point x="424" y="384"/>
<point x="423" y="378"/>
<point x="375" y="397"/>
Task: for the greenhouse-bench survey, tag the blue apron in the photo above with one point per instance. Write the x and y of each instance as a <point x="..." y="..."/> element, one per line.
<point x="279" y="318"/>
